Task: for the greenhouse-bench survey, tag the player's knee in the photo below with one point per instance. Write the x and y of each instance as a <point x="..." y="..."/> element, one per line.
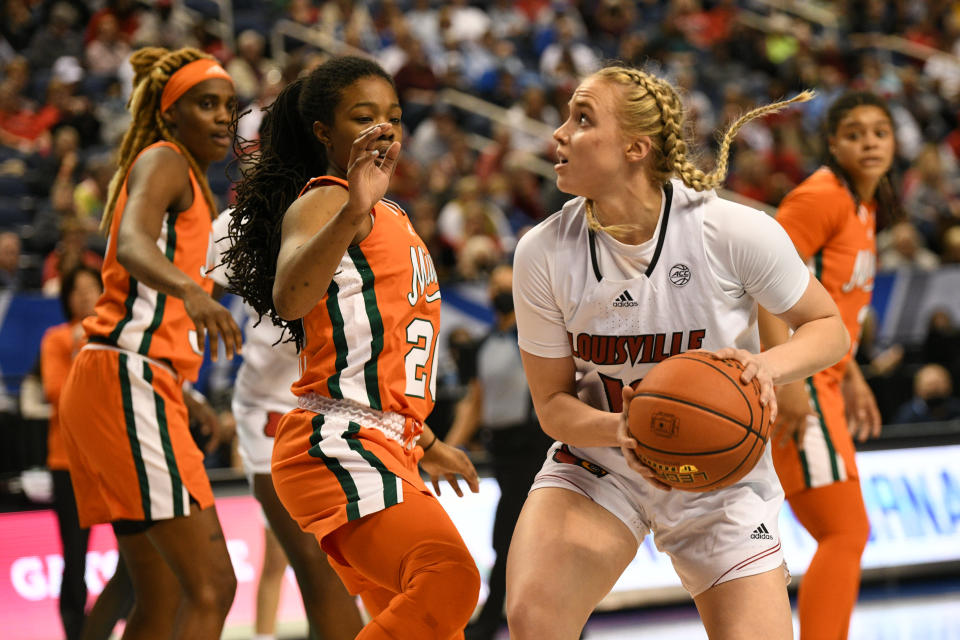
<point x="531" y="613"/>
<point x="530" y="618"/>
<point x="214" y="594"/>
<point x="447" y="574"/>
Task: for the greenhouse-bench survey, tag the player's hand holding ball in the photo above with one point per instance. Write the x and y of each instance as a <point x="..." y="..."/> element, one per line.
<point x="628" y="445"/>
<point x="699" y="421"/>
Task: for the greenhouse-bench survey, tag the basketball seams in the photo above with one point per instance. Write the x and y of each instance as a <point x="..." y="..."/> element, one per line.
<point x="736" y="382"/>
<point x="691" y="403"/>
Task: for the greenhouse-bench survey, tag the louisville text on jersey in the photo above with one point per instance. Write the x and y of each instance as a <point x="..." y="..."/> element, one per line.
<point x="640" y="349"/>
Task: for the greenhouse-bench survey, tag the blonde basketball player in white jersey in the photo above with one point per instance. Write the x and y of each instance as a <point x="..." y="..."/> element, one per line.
<point x="639" y="267"/>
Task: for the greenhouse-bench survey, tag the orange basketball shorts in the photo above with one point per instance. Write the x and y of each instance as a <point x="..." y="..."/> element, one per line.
<point x="329" y="470"/>
<point x="822" y="452"/>
<point x="127" y="435"/>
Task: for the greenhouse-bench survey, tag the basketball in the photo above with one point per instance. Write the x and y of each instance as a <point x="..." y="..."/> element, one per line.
<point x="696" y="425"/>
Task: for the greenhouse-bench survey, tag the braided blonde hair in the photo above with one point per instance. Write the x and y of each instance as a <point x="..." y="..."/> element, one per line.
<point x="652" y="107"/>
<point x="152" y="68"/>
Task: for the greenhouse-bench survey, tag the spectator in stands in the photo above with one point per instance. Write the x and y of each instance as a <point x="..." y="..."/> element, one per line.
<point x="933" y="399"/>
<point x="23" y="126"/>
<point x="470" y="214"/>
<point x="434" y="136"/>
<point x="17" y="23"/>
<point x="928" y="193"/>
<point x="71" y="252"/>
<point x="533" y="106"/>
<point x="10" y="276"/>
<point x="905" y="249"/>
<point x="584" y="59"/>
<point x="950" y="252"/>
<point x="108" y="50"/>
<point x="56" y="38"/>
<point x="63" y="163"/>
<point x="249" y="69"/>
<point x="942" y="342"/>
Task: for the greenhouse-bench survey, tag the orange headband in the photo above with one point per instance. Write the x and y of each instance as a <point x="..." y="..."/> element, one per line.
<point x="187" y="77"/>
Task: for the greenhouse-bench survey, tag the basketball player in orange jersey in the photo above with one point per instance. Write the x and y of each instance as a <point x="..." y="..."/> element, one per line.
<point x="355" y="286"/>
<point x="132" y="460"/>
<point x="649" y="253"/>
<point x="832" y="218"/>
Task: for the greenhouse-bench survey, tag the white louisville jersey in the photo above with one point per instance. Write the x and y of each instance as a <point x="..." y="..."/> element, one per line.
<point x="619" y="309"/>
<point x="269" y="367"/>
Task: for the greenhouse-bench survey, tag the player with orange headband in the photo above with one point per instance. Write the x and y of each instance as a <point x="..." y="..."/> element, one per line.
<point x="132" y="460"/>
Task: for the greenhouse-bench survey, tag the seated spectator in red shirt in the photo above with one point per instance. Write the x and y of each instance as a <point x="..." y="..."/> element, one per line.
<point x="70" y="253"/>
<point x="22" y="125"/>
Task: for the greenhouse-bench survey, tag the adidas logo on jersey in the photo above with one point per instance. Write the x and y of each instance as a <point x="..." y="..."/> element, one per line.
<point x="761" y="533"/>
<point x="625" y="300"/>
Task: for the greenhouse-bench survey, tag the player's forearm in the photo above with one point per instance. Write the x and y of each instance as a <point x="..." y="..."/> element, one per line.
<point x="148" y="265"/>
<point x="304" y="277"/>
<point x="566" y="418"/>
<point x="813" y="347"/>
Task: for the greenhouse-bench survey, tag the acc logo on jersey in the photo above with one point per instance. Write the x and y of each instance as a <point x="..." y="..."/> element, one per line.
<point x="664" y="425"/>
<point x="679" y="274"/>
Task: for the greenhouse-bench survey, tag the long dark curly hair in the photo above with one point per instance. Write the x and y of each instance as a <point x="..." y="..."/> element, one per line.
<point x="274" y="171"/>
<point x="889" y="209"/>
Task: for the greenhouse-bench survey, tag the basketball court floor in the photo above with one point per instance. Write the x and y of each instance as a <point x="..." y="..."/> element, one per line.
<point x="919" y="611"/>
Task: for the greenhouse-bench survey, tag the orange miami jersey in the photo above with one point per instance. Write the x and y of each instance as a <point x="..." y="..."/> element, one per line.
<point x="837" y="237"/>
<point x="137" y="318"/>
<point x="372" y="338"/>
<point x="368" y="381"/>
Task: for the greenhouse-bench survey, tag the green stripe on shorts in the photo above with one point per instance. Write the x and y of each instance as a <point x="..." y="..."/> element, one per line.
<point x="347" y="484"/>
<point x="131" y="423"/>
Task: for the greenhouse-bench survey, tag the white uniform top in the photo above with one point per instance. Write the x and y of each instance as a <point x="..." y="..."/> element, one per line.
<point x="619" y="309"/>
<point x="269" y="368"/>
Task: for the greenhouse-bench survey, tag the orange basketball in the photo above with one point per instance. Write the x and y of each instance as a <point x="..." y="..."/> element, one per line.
<point x="696" y="424"/>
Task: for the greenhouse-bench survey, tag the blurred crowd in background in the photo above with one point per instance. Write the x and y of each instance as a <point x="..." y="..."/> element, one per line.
<point x="474" y="179"/>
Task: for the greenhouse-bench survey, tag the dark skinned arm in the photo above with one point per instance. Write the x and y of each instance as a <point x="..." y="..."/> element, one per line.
<point x="160" y="182"/>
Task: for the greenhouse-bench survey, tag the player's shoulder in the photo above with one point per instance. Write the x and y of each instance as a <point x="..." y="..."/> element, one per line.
<point x="556" y="231"/>
<point x="822" y="185"/>
<point x="59" y="332"/>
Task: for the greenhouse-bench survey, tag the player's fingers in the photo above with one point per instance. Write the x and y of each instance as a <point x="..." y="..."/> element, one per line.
<point x="201" y="334"/>
<point x="452" y="481"/>
<point x="234" y="328"/>
<point x="390" y="157"/>
<point x="436" y="484"/>
<point x="470" y="476"/>
<point x="370" y="133"/>
<point x="874" y="420"/>
<point x="226" y="335"/>
<point x="213" y="335"/>
<point x="750" y="370"/>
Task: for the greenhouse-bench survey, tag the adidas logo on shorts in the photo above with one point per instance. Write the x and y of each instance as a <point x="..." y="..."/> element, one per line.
<point x="625" y="300"/>
<point x="761" y="533"/>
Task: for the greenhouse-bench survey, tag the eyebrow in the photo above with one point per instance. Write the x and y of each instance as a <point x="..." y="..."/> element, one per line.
<point x="872" y="123"/>
<point x="373" y="105"/>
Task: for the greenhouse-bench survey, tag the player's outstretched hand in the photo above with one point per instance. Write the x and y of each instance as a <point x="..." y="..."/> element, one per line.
<point x="863" y="415"/>
<point x="793" y="407"/>
<point x="214" y="320"/>
<point x="443" y="460"/>
<point x="754" y="366"/>
<point x="628" y="445"/>
<point x="371" y="164"/>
